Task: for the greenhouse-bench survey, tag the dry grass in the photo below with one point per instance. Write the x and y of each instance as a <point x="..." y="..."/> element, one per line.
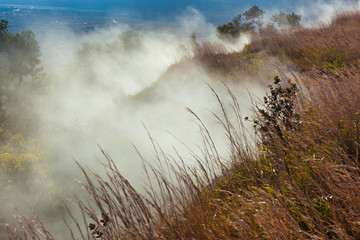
<point x="232" y="65"/>
<point x="303" y="184"/>
<point x="328" y="46"/>
<point x="223" y="64"/>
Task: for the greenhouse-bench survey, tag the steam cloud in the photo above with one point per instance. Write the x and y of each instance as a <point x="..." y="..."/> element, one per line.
<point x="105" y="85"/>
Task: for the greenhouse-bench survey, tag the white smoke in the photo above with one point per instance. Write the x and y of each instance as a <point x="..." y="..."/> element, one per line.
<point x="323" y="11"/>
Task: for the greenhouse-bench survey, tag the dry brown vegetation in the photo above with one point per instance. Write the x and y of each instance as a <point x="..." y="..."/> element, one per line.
<point x="328" y="46"/>
<point x="299" y="178"/>
<point x="233" y="66"/>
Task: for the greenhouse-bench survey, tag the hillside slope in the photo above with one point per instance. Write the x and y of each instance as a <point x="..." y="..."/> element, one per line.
<point x="297" y="177"/>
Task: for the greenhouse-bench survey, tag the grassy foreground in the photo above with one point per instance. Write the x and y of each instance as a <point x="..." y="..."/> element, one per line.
<point x="300" y="180"/>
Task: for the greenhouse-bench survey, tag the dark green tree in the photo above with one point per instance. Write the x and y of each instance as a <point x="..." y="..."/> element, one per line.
<point x="230" y="29"/>
<point x="20" y="77"/>
<point x="254" y="17"/>
<point x="3" y="25"/>
<point x="19" y="54"/>
<point x="250" y="20"/>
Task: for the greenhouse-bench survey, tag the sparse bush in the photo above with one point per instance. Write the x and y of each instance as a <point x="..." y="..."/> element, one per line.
<point x="278" y="113"/>
<point x="21" y="164"/>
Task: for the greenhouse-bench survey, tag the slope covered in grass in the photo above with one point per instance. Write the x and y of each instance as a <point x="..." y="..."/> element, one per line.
<point x="329" y="46"/>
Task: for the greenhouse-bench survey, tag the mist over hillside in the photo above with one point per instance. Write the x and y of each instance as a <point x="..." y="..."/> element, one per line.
<point x="158" y="91"/>
<point x="97" y="95"/>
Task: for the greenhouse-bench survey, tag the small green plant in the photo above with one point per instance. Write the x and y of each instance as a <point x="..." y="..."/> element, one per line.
<point x="278" y="112"/>
<point x="334" y="63"/>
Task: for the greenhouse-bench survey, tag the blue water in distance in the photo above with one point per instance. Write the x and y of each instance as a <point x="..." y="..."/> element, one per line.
<point x="150" y="7"/>
<point x="86" y="15"/>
